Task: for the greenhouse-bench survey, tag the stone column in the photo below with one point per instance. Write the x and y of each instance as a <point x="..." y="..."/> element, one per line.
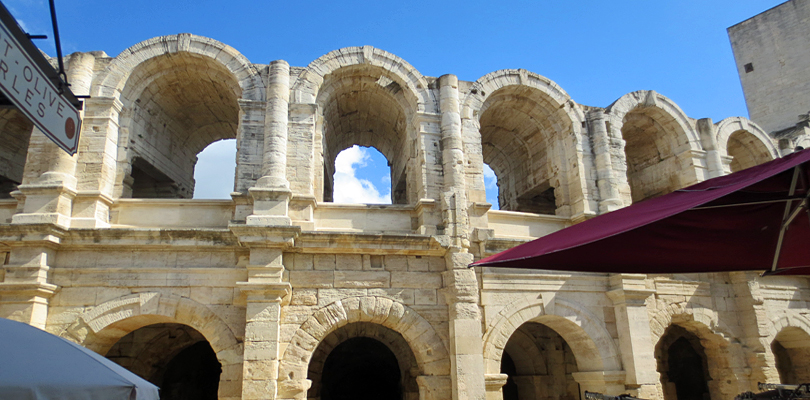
<point x="708" y="139"/>
<point x="454" y="198"/>
<point x="266" y="293"/>
<point x="25" y="290"/>
<point x="629" y="295"/>
<point x="606" y="177"/>
<point x="271" y="196"/>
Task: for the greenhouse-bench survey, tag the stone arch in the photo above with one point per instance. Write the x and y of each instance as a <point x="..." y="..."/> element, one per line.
<point x="365" y="341"/>
<point x="427" y="347"/>
<point x="528" y="130"/>
<point x="591" y="343"/>
<point x="726" y="358"/>
<point x="178" y="94"/>
<point x="746" y="142"/>
<point x="305" y="89"/>
<point x="100" y="327"/>
<point x="788" y="340"/>
<point x="367" y="97"/>
<point x="659" y="140"/>
<point x="110" y="83"/>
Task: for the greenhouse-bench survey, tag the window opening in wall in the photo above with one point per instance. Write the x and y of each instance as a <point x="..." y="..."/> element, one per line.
<point x="491" y="187"/>
<point x="174" y="357"/>
<point x="361" y="176"/>
<point x="214" y="171"/>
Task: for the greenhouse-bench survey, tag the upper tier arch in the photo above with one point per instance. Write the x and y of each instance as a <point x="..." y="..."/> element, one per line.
<point x="306" y="87"/>
<point x="650" y="98"/>
<point x="111" y="82"/>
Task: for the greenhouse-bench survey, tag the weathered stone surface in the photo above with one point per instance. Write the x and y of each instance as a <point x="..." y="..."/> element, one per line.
<point x="108" y="251"/>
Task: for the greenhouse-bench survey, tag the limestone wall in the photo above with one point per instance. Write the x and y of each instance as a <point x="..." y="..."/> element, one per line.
<point x="772" y="53"/>
<point x="285" y="295"/>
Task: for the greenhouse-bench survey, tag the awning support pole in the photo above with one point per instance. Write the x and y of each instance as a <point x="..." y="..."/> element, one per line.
<point x="796" y="172"/>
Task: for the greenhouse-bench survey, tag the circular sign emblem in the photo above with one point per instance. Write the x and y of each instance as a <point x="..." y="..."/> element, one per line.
<point x="70" y="128"/>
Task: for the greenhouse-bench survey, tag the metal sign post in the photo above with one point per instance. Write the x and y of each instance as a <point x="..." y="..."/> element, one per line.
<point x="29" y="82"/>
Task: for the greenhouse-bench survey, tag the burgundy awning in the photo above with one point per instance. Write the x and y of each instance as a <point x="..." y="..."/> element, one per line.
<point x="728" y="223"/>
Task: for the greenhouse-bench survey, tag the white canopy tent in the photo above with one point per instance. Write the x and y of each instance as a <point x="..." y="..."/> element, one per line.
<point x="36" y="365"/>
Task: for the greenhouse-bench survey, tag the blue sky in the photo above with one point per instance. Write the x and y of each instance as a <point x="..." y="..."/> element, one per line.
<point x="595" y="50"/>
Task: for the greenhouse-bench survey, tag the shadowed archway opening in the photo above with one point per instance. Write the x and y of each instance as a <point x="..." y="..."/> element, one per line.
<point x="175" y="357"/>
<point x="521" y="130"/>
<point x="791" y="349"/>
<point x="746" y="151"/>
<point x="366" y="106"/>
<point x="15" y="130"/>
<point x="362" y="361"/>
<point x="653" y="141"/>
<point x="175" y="105"/>
<point x="683" y="365"/>
<point x="539" y="364"/>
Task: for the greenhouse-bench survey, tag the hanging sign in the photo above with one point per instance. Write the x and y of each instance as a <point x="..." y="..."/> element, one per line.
<point x="28" y="87"/>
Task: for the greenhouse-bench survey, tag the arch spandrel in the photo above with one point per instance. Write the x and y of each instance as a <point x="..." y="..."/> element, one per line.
<point x="591" y="343"/>
<point x="306" y="87"/>
<point x="111" y="82"/>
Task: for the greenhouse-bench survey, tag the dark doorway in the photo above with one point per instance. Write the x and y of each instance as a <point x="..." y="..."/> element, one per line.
<point x="682" y="364"/>
<point x="192" y="375"/>
<point x="510" y="389"/>
<point x="686" y="371"/>
<point x="175" y="357"/>
<point x="361" y="369"/>
<point x="791" y="350"/>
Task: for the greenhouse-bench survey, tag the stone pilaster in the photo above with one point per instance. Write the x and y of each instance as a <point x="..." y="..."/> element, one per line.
<point x="25" y="291"/>
<point x="607" y="179"/>
<point x="629" y="295"/>
<point x="96" y="171"/>
<point x="754" y="322"/>
<point x="265" y="293"/>
<point x="466" y="343"/>
<point x="708" y="139"/>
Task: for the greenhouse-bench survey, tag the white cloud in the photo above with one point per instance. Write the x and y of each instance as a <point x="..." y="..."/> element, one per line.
<point x="490" y="180"/>
<point x="215" y="171"/>
<point x="491" y="186"/>
<point x="348" y="188"/>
